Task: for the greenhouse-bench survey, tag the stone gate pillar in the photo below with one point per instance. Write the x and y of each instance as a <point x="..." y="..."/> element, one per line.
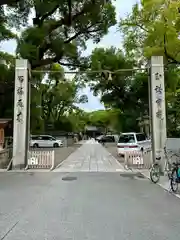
<point x="21" y="114"/>
<point x="158" y="109"/>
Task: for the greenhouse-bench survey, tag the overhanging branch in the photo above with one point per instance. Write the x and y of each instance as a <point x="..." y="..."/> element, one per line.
<point x="48" y="61"/>
<point x="53" y="26"/>
<point x="65" y="19"/>
<point x="85" y="30"/>
<point x="43" y="62"/>
<point x="38" y="20"/>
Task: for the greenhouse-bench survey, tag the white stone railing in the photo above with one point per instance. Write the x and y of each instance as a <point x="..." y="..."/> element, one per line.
<point x="138" y="159"/>
<point x="40" y="160"/>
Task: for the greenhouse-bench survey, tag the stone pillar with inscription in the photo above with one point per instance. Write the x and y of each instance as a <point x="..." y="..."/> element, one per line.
<point x="158" y="109"/>
<point x="21" y="115"/>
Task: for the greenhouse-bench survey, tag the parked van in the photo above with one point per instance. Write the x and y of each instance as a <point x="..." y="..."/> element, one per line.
<point x="45" y="141"/>
<point x="133" y="142"/>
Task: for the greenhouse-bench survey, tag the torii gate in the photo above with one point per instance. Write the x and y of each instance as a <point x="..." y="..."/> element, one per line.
<point x="22" y="110"/>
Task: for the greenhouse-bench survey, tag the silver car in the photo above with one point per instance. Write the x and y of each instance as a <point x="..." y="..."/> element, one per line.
<point x="45" y="141"/>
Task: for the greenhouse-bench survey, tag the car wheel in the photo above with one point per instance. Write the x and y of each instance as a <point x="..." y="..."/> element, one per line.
<point x="56" y="145"/>
<point x="35" y="145"/>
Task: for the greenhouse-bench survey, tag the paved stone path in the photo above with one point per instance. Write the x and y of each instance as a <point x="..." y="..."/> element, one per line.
<point x="90" y="157"/>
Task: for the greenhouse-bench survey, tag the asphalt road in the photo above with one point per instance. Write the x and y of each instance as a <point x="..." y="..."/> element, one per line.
<point x="85" y="206"/>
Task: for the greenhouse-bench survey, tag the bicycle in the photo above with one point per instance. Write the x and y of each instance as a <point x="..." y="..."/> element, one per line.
<point x="155" y="171"/>
<point x="175" y="177"/>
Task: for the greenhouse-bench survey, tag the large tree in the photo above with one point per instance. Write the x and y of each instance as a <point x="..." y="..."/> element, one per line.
<point x="107" y="120"/>
<point x="172" y="80"/>
<point x="54" y="98"/>
<point x="78" y="119"/>
<point x="13" y="13"/>
<point x="59" y="30"/>
<point x="6" y="85"/>
<point x="122" y="87"/>
<point x="153" y="28"/>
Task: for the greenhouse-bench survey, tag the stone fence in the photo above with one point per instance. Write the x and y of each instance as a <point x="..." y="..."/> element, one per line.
<point x="41" y="160"/>
<point x="138" y="159"/>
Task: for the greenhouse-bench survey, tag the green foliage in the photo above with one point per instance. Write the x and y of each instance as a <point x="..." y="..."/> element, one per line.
<point x="128" y="91"/>
<point x="13" y="13"/>
<point x="6" y="85"/>
<point x="111" y="60"/>
<point x="53" y="100"/>
<point x="152" y="28"/>
<point x="173" y="101"/>
<point x="124" y="89"/>
<point x="78" y="119"/>
<point x="59" y="34"/>
<point x="107" y="120"/>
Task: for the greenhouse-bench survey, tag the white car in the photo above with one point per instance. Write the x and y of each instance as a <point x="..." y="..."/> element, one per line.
<point x="45" y="141"/>
<point x="132" y="142"/>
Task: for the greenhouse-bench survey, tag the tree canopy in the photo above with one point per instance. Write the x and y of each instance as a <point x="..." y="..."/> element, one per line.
<point x="53" y="34"/>
<point x="55" y="37"/>
<point x="126" y="90"/>
<point x="152" y="28"/>
<point x="59" y="30"/>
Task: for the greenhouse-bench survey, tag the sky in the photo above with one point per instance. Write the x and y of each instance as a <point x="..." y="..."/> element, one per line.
<point x="113" y="38"/>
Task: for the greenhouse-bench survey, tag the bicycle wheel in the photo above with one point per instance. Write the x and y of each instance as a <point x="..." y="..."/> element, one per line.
<point x="170" y="164"/>
<point x="155" y="173"/>
<point x="174" y="181"/>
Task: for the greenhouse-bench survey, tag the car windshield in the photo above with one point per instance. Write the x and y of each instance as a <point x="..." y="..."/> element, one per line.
<point x="33" y="137"/>
<point x="126" y="138"/>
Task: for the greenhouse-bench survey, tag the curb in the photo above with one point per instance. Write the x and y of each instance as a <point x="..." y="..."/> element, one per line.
<point x="160" y="185"/>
